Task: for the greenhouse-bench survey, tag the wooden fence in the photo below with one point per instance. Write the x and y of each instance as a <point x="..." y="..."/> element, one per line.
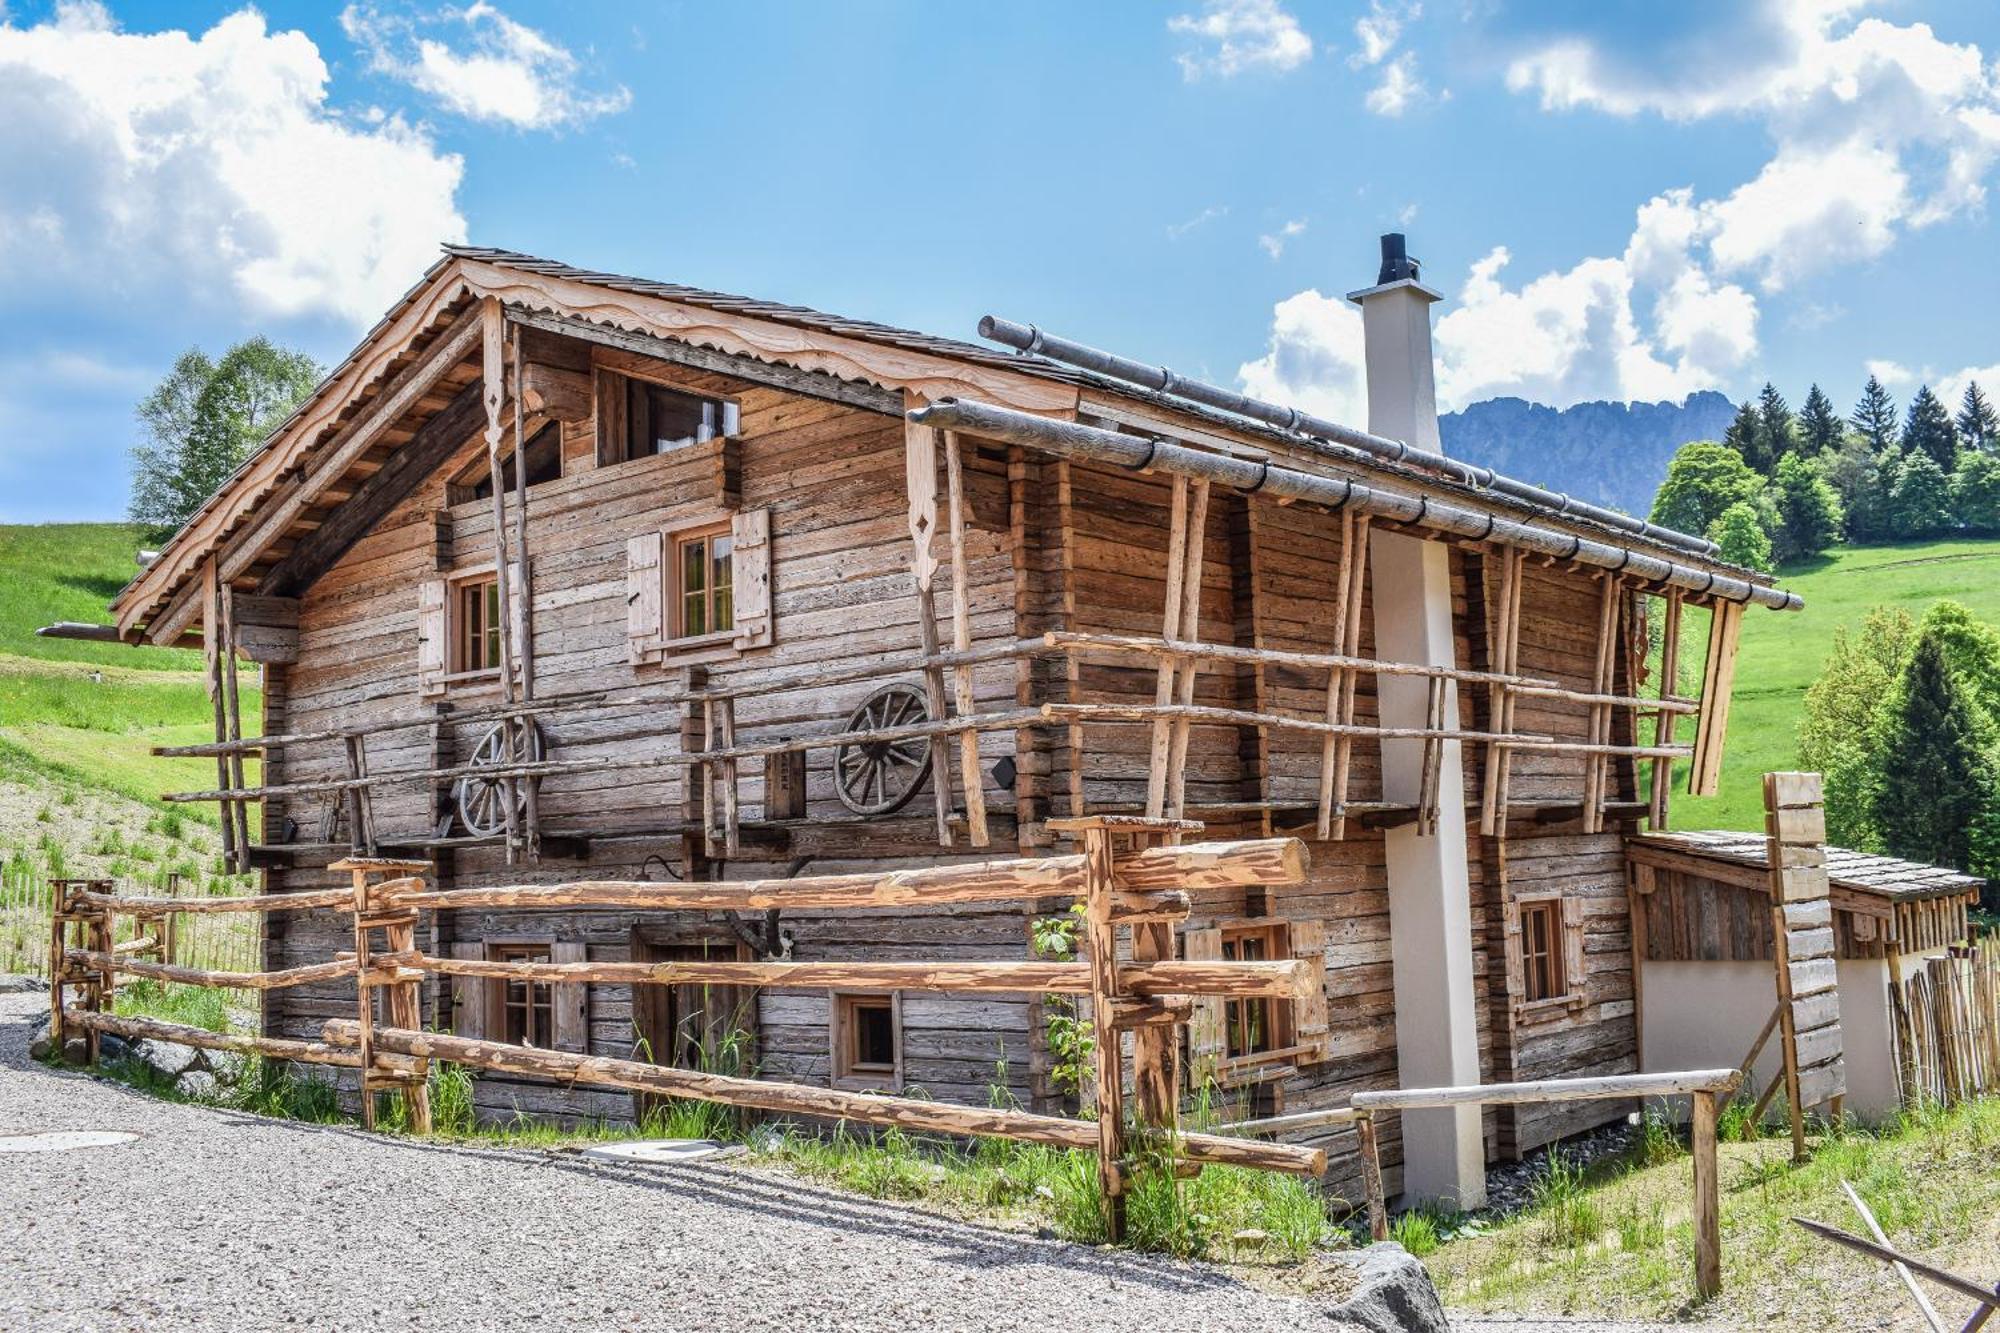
<point x="210" y="942"/>
<point x="1131" y="875"/>
<point x="1947" y="1022"/>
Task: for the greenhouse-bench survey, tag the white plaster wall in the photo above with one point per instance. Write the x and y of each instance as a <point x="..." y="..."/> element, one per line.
<point x="1705" y="1015"/>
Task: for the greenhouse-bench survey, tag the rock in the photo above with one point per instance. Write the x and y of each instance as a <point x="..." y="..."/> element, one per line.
<point x="11" y="984"/>
<point x="112" y="1047"/>
<point x="199" y="1084"/>
<point x="76" y="1050"/>
<point x="1395" y="1295"/>
<point x="1250" y="1236"/>
<point x="41" y="1047"/>
<point x="172" y="1059"/>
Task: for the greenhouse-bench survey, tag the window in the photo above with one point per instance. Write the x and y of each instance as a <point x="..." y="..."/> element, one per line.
<point x="867" y="1041"/>
<point x="659" y="420"/>
<point x="527" y="1008"/>
<point x="476" y="629"/>
<point x="1254" y="1027"/>
<point x="1542" y="951"/>
<point x="703" y="583"/>
<point x="544" y="464"/>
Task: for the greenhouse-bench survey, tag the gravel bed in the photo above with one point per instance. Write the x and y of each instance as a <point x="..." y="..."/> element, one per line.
<point x="213" y="1219"/>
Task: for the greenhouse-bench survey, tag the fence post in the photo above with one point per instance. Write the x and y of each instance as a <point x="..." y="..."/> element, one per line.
<point x="1101" y="944"/>
<point x="58" y="962"/>
<point x="1371" y="1176"/>
<point x="404" y="1005"/>
<point x="1707" y="1206"/>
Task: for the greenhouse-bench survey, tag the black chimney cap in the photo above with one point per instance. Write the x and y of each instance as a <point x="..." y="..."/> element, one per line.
<point x="1396" y="262"/>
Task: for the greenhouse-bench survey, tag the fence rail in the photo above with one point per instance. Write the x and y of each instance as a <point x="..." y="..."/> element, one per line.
<point x="1947" y="1025"/>
<point x="1132" y="874"/>
<point x="184" y="928"/>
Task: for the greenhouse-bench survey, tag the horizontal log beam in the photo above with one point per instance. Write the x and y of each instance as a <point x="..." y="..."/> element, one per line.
<point x="1075" y="641"/>
<point x="198" y="976"/>
<point x="1247" y="980"/>
<point x="181" y="1034"/>
<point x="1269" y="862"/>
<point x="906" y="1113"/>
<point x="262" y="902"/>
<point x="1610" y="1087"/>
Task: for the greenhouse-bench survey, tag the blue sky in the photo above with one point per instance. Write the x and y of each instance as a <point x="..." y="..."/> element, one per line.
<point x="1619" y="201"/>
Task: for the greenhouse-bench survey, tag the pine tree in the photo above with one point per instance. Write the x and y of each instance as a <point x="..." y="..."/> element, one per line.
<point x="1928" y="429"/>
<point x="1809" y="514"/>
<point x="1838" y="735"/>
<point x="1937" y="781"/>
<point x="1742" y="433"/>
<point x="1978" y="424"/>
<point x="1875" y="417"/>
<point x="1775" y="435"/>
<point x="1820" y="427"/>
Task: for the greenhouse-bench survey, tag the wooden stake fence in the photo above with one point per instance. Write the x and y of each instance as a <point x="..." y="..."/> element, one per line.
<point x="1131" y="874"/>
<point x="1708" y="1089"/>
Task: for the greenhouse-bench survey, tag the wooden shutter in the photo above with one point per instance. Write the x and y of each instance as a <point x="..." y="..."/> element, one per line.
<point x="431" y="637"/>
<point x="1572" y="918"/>
<point x="1311" y="1027"/>
<point x="572" y="1000"/>
<point x="1208" y="1034"/>
<point x="468" y="995"/>
<point x="644" y="627"/>
<point x="750" y="548"/>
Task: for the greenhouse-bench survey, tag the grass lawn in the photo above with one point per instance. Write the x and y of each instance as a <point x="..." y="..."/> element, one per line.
<point x="71" y="571"/>
<point x="1782" y="652"/>
<point x="1624" y="1247"/>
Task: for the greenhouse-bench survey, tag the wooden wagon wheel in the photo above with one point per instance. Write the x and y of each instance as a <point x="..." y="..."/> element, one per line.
<point x="482" y="802"/>
<point x="877" y="777"/>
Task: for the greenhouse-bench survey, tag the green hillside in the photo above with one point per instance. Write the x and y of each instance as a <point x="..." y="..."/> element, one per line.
<point x="89" y="713"/>
<point x="1782" y="652"/>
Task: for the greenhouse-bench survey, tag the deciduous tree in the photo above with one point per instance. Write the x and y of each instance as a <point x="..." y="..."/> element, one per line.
<point x="1739" y="532"/>
<point x="1703" y="479"/>
<point x="1809" y="514"/>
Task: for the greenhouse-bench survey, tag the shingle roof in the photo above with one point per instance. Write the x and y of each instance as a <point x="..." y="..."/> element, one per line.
<point x="1864" y="872"/>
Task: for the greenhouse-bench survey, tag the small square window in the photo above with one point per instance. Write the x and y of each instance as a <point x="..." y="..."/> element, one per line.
<point x="476" y="630"/>
<point x="527" y="1008"/>
<point x="702" y="583"/>
<point x="867" y="1041"/>
<point x="1253" y="1027"/>
<point x="1542" y="951"/>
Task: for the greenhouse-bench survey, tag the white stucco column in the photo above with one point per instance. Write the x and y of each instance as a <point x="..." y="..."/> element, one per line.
<point x="1430" y="906"/>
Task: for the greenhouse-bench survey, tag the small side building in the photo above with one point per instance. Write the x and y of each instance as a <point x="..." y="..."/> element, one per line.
<point x="1704" y="964"/>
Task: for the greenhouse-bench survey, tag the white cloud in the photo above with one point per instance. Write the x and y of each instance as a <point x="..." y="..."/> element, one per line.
<point x="209" y="168"/>
<point x="506" y="71"/>
<point x="1274" y="243"/>
<point x="1176" y="230"/>
<point x="1231" y="37"/>
<point x="1892" y="374"/>
<point x="1878" y="128"/>
<point x="1400" y="88"/>
<point x="1377" y="33"/>
<point x="1314" y="361"/>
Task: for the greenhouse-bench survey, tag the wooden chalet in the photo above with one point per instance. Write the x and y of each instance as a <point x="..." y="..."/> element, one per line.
<point x="563" y="574"/>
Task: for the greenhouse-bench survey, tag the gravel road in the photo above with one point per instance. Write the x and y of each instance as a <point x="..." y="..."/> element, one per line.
<point x="211" y="1220"/>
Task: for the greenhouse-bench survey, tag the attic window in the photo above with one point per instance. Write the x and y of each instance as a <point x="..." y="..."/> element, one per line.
<point x="659" y="420"/>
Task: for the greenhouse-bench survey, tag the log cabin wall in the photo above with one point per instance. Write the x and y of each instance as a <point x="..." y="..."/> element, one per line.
<point x="1051" y="545"/>
<point x="832" y="478"/>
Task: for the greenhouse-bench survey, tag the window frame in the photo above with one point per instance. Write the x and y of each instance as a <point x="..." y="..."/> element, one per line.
<point x="676" y="595"/>
<point x="612" y="452"/>
<point x="538" y="996"/>
<point x="1279" y="1016"/>
<point x="842" y="1033"/>
<point x="457" y="584"/>
<point x="1558" y="987"/>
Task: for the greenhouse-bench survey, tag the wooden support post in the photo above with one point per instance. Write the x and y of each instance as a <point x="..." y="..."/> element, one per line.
<point x="1371" y="1177"/>
<point x="725" y="713"/>
<point x="237" y="811"/>
<point x="493" y="333"/>
<point x="403" y="1007"/>
<point x="518" y="726"/>
<point x="1101" y="947"/>
<point x="920" y="449"/>
<point x="1170" y="623"/>
<point x="1718" y="683"/>
<point x="1190" y="627"/>
<point x="1505" y="655"/>
<point x="1707" y="1200"/>
<point x="360" y="803"/>
<point x="711" y="735"/>
<point x="59" y="914"/>
<point x="971" y="773"/>
<point x="1433" y="764"/>
<point x="212" y="650"/>
<point x="1597" y="764"/>
<point x="1664" y="725"/>
<point x="1336" y="750"/>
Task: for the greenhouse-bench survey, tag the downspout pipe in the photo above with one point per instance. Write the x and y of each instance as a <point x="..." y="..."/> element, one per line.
<point x="1028" y="338"/>
<point x="1136" y="453"/>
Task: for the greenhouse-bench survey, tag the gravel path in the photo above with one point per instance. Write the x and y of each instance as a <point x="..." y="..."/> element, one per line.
<point x="212" y="1219"/>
